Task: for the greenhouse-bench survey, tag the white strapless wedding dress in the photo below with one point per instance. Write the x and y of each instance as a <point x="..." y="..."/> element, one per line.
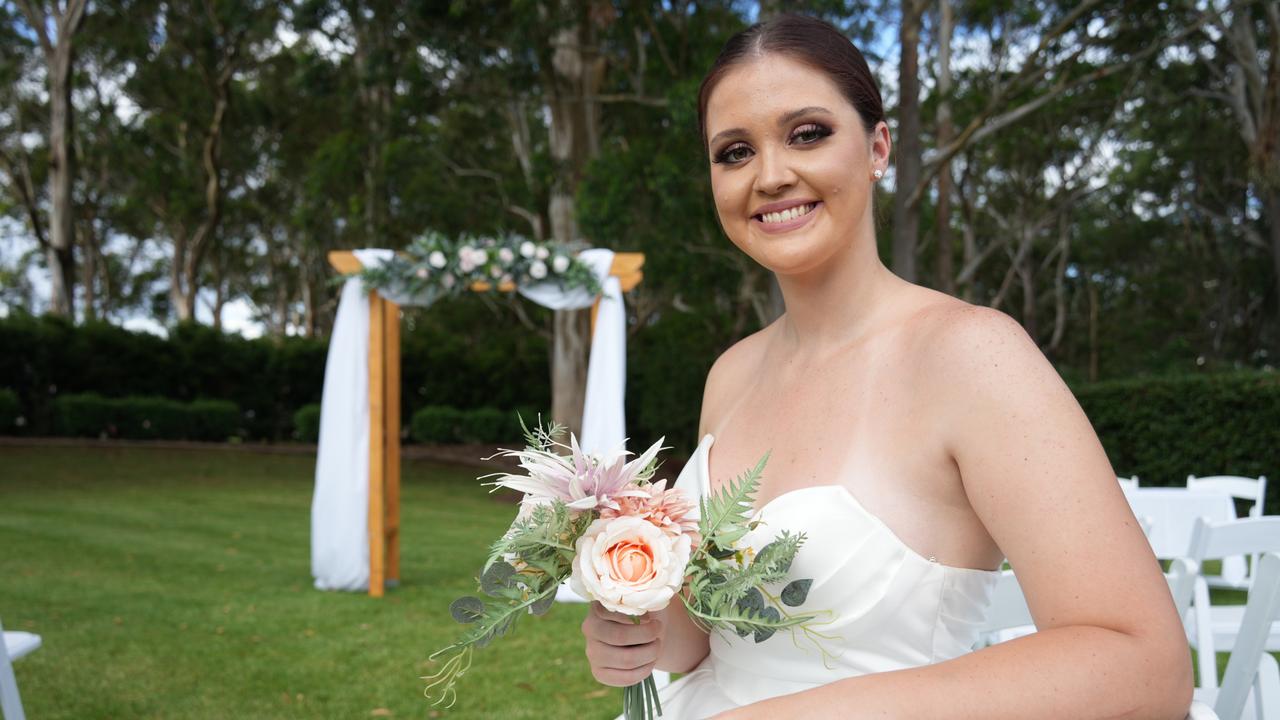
<point x="889" y="607"/>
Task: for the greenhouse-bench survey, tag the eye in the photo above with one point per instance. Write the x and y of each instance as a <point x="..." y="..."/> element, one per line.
<point x="809" y="133"/>
<point x="733" y="154"/>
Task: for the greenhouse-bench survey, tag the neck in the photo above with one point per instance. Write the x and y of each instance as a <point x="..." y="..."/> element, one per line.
<point x="837" y="302"/>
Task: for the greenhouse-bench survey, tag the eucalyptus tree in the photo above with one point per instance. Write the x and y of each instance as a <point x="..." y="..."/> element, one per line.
<point x="54" y="27"/>
<point x="185" y="88"/>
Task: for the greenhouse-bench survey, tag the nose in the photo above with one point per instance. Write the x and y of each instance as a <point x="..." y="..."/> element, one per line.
<point x="774" y="174"/>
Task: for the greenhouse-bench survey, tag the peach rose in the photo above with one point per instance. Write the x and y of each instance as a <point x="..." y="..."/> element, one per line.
<point x="629" y="564"/>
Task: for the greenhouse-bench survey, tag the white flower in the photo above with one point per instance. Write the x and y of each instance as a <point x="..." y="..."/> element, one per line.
<point x="447" y="281"/>
<point x="506" y="256"/>
<point x="542" y="253"/>
<point x="527" y="249"/>
<point x="422" y="273"/>
<point x="495" y="272"/>
<point x="560" y="264"/>
<point x="466" y="265"/>
<point x="629" y="565"/>
<point x="466" y="252"/>
<point x="437" y="259"/>
<point x="480" y="257"/>
<point x="507" y="279"/>
<point x="538" y="270"/>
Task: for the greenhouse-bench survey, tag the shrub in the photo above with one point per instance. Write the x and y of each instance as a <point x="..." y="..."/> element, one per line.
<point x="306" y="423"/>
<point x="144" y="418"/>
<point x="1163" y="429"/>
<point x="436" y="424"/>
<point x="483" y="425"/>
<point x="10" y="411"/>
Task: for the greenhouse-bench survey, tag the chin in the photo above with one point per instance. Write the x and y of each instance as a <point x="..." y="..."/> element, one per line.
<point x="791" y="254"/>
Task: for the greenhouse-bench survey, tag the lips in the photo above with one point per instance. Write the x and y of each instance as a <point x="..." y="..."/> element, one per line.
<point x="785" y="216"/>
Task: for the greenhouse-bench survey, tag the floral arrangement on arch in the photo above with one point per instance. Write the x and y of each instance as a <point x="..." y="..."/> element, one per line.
<point x="435" y="266"/>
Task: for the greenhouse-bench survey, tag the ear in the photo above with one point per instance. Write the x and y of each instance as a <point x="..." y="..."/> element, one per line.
<point x="881" y="147"/>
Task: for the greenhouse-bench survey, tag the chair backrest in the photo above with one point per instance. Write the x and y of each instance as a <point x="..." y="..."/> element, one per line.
<point x="1008" y="607"/>
<point x="1182" y="582"/>
<point x="1263" y="607"/>
<point x="1241" y="488"/>
<point x="1214" y="540"/>
<point x="1128" y="483"/>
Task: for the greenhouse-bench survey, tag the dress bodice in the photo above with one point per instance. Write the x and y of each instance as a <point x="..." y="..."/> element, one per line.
<point x="883" y="606"/>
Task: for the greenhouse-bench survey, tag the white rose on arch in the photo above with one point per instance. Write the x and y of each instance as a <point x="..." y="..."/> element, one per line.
<point x="506" y="256"/>
<point x="437" y="259"/>
<point x="560" y="264"/>
<point x="538" y="270"/>
<point x="629" y="564"/>
<point x="527" y="249"/>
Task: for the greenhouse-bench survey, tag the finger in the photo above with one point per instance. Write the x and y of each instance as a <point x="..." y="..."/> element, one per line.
<point x="627" y="657"/>
<point x="621" y="634"/>
<point x="604" y="613"/>
<point x="621" y="678"/>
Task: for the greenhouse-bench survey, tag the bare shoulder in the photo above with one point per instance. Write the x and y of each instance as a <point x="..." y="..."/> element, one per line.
<point x="967" y="348"/>
<point x="728" y="374"/>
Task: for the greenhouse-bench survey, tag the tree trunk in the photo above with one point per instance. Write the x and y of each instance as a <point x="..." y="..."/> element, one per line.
<point x="61" y="171"/>
<point x="942" y="220"/>
<point x="906" y="220"/>
<point x="1272" y="209"/>
<point x="1093" y="330"/>
<point x="575" y="74"/>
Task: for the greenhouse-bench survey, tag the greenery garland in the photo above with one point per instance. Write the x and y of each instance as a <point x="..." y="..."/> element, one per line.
<point x="434" y="266"/>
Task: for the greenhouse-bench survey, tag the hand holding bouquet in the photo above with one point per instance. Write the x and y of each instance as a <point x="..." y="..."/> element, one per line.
<point x="630" y="543"/>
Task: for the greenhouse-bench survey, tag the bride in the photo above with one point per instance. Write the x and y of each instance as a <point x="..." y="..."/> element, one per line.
<point x="918" y="440"/>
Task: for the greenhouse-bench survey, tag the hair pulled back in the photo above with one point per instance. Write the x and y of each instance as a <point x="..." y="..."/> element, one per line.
<point x="811" y="41"/>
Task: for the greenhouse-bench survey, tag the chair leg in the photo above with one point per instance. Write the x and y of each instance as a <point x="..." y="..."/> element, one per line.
<point x="10" y="701"/>
<point x="1205" y="651"/>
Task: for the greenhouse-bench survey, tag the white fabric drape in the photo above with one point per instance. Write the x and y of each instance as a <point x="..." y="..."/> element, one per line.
<point x="339" y="508"/>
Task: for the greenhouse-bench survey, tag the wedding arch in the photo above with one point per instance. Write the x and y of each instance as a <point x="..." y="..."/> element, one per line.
<point x="355" y="513"/>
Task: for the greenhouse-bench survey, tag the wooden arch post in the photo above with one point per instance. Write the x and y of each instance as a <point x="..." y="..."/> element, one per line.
<point x="384" y="412"/>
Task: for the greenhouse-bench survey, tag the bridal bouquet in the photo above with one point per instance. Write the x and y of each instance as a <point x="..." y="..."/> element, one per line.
<point x="629" y="542"/>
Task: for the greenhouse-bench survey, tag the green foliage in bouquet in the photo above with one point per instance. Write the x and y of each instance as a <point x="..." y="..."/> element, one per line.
<point x="727" y="586"/>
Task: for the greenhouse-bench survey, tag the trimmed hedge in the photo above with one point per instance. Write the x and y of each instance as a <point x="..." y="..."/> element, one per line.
<point x="10" y="410"/>
<point x="446" y="425"/>
<point x="1163" y="429"/>
<point x="144" y="418"/>
<point x="306" y="423"/>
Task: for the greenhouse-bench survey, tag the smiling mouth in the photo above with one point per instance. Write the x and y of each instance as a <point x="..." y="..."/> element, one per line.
<point x="777" y="218"/>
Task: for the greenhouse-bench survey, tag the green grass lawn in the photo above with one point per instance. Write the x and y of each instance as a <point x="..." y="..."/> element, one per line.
<point x="176" y="584"/>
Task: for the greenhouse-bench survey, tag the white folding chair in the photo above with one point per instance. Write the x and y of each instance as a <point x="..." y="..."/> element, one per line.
<point x="13" y="645"/>
<point x="1128" y="483"/>
<point x="1251" y="684"/>
<point x="1236" y="574"/>
<point x="1211" y="628"/>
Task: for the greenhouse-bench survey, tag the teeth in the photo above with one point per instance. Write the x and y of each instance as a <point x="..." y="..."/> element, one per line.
<point x="788" y="214"/>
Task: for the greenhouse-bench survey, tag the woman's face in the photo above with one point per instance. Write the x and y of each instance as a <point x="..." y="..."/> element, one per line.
<point x="791" y="164"/>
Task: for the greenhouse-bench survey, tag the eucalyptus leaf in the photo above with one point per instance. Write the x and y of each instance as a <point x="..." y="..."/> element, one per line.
<point x="764" y="633"/>
<point x="543" y="604"/>
<point x="467" y="609"/>
<point x="796" y="591"/>
<point x="751" y="602"/>
<point x="496" y="577"/>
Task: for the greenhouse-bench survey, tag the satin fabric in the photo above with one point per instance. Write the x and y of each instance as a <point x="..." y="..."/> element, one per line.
<point x="883" y="606"/>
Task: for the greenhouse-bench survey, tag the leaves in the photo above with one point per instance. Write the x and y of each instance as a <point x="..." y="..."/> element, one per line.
<point x="467" y="609"/>
<point x="724" y="519"/>
<point x="795" y="592"/>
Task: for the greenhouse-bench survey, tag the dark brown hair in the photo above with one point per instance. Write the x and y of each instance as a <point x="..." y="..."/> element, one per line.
<point x="811" y="41"/>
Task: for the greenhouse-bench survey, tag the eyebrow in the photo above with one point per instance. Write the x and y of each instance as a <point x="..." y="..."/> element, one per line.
<point x="783" y="120"/>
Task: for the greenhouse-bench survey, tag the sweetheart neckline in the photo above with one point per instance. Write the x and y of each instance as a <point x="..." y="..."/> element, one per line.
<point x="705" y="486"/>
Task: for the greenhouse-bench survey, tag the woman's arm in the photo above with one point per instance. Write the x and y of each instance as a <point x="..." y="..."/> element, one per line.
<point x="1110" y="643"/>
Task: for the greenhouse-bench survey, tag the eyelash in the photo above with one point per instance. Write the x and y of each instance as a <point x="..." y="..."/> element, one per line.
<point x="816" y="130"/>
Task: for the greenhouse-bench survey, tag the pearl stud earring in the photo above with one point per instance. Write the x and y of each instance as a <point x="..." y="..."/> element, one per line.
<point x="878" y="174"/>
